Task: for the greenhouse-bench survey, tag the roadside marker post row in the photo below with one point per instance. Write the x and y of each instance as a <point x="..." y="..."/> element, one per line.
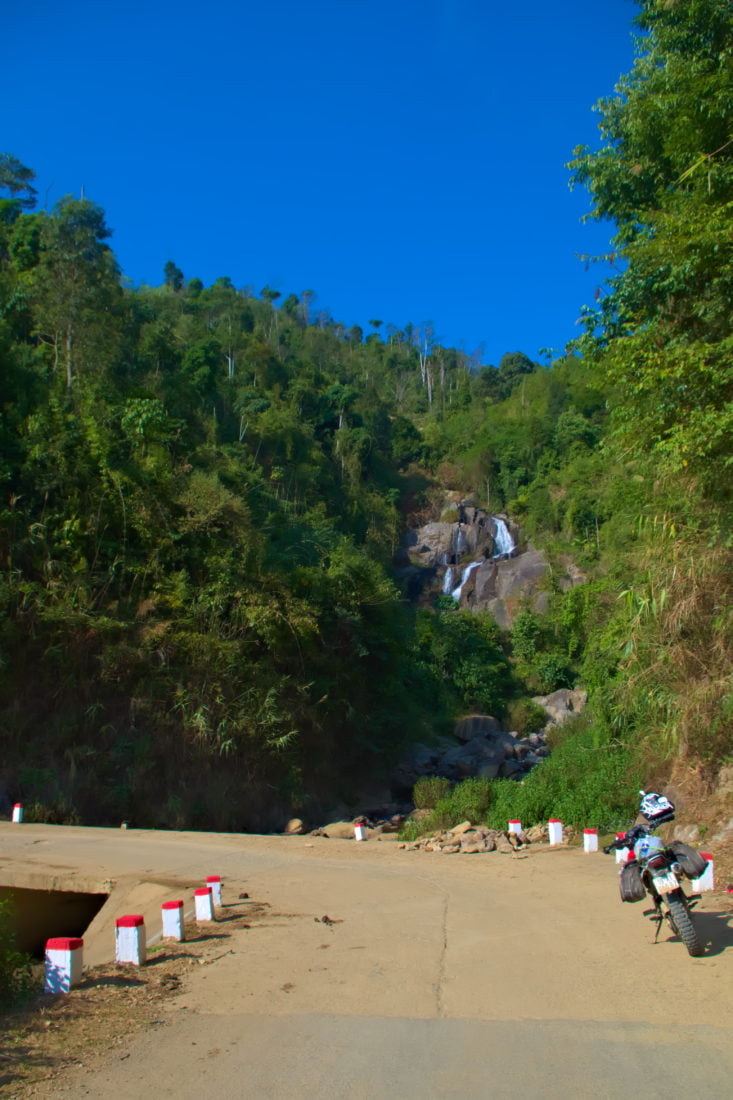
<point x="65" y="954"/>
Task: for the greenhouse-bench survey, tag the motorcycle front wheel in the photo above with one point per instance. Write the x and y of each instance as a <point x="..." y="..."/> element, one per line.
<point x="681" y="922"/>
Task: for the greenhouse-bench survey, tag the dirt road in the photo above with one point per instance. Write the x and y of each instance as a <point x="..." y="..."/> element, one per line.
<point x="471" y="976"/>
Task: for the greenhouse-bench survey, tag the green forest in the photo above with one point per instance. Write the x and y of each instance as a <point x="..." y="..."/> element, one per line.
<point x="204" y="488"/>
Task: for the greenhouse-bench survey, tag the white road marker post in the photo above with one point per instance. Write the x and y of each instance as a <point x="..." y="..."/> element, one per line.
<point x="204" y="904"/>
<point x="172" y="914"/>
<point x="214" y="881"/>
<point x="590" y="840"/>
<point x="705" y="881"/>
<point x="130" y="940"/>
<point x="622" y="854"/>
<point x="64" y="963"/>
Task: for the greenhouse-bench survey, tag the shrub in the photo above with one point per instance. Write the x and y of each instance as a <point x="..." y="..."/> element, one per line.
<point x="468" y="801"/>
<point x="524" y="715"/>
<point x="588" y="780"/>
<point x="429" y="790"/>
<point x="15" y="967"/>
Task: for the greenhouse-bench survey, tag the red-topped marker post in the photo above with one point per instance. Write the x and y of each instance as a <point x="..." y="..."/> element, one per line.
<point x="172" y="914"/>
<point x="705" y="881"/>
<point x="204" y="904"/>
<point x="130" y="940"/>
<point x="214" y="881"/>
<point x="64" y="963"/>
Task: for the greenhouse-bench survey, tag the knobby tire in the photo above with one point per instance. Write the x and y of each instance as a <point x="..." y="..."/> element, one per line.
<point x="682" y="923"/>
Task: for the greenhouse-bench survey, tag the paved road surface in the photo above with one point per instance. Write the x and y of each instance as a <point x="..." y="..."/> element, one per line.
<point x="482" y="976"/>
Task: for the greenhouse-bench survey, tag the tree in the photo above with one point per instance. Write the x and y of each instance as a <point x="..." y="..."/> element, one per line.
<point x="16" y="178"/>
<point x="664" y="175"/>
<point x="173" y="276"/>
<point x="76" y="283"/>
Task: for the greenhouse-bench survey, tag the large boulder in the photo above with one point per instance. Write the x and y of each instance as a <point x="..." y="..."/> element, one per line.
<point x="562" y="704"/>
<point x="502" y="587"/>
<point x="432" y="544"/>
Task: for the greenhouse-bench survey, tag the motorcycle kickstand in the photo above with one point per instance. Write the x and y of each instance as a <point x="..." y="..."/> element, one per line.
<point x="659" y="918"/>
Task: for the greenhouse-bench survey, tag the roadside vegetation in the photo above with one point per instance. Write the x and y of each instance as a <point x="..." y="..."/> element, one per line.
<point x="16" y="977"/>
<point x="203" y="487"/>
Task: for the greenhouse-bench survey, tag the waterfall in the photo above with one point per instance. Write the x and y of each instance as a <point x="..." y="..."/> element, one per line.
<point x="465" y="574"/>
<point x="460" y="541"/>
<point x="503" y="541"/>
<point x="449" y="580"/>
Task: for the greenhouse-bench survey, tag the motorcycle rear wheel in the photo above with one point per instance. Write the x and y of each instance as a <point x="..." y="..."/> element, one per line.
<point x="681" y="921"/>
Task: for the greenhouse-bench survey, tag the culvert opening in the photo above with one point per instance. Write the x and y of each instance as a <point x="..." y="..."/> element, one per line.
<point x="39" y="915"/>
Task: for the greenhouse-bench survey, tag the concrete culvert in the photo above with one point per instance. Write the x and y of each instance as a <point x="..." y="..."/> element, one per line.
<point x="39" y="915"/>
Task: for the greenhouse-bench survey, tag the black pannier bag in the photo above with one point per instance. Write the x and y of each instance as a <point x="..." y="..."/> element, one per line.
<point x="630" y="884"/>
<point x="692" y="863"/>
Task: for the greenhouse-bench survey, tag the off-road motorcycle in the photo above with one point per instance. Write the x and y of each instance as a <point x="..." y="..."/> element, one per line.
<point x="656" y="868"/>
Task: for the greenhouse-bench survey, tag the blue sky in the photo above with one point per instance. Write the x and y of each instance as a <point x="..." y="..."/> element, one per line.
<point x="402" y="158"/>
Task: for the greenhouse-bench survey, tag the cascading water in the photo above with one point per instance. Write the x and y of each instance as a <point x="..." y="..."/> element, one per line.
<point x="503" y="541"/>
<point x="449" y="580"/>
<point x="465" y="574"/>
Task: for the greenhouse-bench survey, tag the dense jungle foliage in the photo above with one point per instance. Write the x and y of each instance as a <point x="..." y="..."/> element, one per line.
<point x="203" y="488"/>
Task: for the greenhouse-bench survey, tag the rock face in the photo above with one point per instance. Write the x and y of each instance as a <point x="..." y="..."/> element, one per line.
<point x="480" y="748"/>
<point x="498" y="586"/>
<point x="435" y="556"/>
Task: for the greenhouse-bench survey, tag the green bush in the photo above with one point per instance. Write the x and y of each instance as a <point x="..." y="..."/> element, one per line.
<point x="468" y="801"/>
<point x="429" y="790"/>
<point x="15" y="967"/>
<point x="524" y="716"/>
<point x="589" y="780"/>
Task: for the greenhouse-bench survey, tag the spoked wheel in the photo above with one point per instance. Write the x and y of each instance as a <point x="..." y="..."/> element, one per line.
<point x="681" y="922"/>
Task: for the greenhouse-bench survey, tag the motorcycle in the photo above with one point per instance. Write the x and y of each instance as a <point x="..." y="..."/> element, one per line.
<point x="656" y="869"/>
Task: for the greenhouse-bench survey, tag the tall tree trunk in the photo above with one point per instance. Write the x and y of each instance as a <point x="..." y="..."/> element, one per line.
<point x="69" y="358"/>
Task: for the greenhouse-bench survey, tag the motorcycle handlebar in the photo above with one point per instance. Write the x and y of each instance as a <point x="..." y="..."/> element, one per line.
<point x="622" y="842"/>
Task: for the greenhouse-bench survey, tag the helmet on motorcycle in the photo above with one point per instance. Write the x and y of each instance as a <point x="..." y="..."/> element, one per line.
<point x="656" y="808"/>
